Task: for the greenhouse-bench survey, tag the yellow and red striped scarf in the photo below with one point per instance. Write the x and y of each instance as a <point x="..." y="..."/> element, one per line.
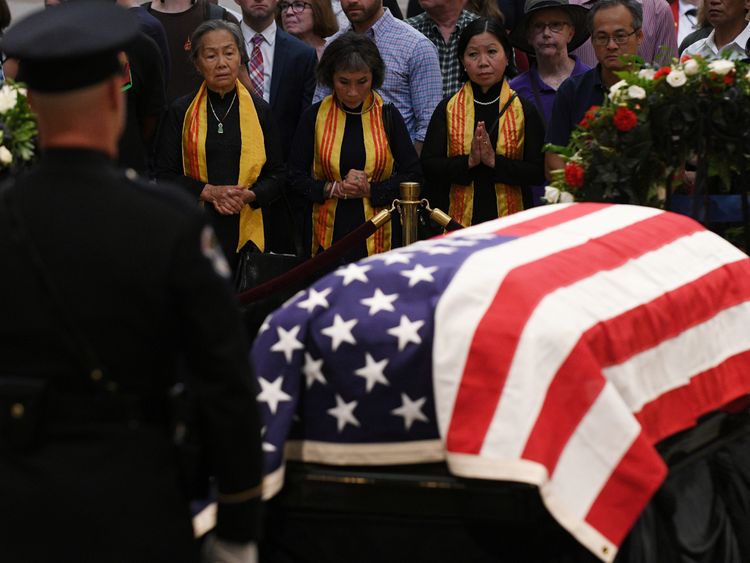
<point x="510" y="139"/>
<point x="329" y="135"/>
<point x="252" y="155"/>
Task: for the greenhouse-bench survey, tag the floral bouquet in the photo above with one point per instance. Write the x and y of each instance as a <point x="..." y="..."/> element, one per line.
<point x="634" y="147"/>
<point x="18" y="128"/>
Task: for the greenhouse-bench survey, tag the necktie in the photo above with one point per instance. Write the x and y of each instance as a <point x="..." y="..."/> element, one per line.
<point x="255" y="66"/>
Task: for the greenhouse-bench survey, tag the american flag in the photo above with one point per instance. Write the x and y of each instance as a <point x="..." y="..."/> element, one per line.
<point x="553" y="347"/>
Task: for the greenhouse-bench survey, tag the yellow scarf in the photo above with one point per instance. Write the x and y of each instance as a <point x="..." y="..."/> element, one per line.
<point x="252" y="155"/>
<point x="329" y="135"/>
<point x="510" y="139"/>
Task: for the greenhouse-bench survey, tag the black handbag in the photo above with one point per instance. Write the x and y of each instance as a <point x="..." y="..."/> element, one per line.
<point x="255" y="268"/>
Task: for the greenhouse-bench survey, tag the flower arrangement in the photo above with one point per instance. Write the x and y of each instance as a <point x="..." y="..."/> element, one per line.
<point x="634" y="147"/>
<point x="18" y="127"/>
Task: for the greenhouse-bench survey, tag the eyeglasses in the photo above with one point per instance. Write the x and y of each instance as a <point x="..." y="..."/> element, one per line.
<point x="554" y="27"/>
<point x="603" y="39"/>
<point x="297" y="7"/>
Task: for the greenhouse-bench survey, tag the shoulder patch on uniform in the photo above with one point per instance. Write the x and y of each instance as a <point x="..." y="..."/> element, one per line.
<point x="212" y="251"/>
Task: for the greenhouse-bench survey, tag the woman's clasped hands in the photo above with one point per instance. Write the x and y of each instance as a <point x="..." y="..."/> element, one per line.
<point x="482" y="151"/>
<point x="227" y="200"/>
<point x="354" y="185"/>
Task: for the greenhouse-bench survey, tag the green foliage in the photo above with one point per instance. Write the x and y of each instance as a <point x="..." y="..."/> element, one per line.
<point x="18" y="128"/>
<point x="693" y="109"/>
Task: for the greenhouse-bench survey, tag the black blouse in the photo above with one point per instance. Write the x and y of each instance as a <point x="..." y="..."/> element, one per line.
<point x="349" y="212"/>
<point x="441" y="170"/>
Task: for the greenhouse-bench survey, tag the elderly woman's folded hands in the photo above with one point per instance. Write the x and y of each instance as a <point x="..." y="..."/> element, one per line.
<point x="227" y="200"/>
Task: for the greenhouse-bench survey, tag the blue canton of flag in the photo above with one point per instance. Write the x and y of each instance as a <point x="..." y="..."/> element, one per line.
<point x="345" y="368"/>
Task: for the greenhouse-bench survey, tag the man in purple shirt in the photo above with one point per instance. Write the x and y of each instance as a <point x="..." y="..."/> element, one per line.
<point x="548" y="30"/>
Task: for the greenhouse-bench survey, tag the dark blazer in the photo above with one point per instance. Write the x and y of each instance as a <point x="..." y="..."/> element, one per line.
<point x="292" y="84"/>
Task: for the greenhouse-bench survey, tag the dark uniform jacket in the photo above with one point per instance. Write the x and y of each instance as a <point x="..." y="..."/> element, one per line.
<point x="137" y="269"/>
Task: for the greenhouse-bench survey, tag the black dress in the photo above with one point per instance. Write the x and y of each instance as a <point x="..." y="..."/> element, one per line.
<point x="349" y="212"/>
<point x="130" y="262"/>
<point x="222" y="163"/>
<point x="441" y="171"/>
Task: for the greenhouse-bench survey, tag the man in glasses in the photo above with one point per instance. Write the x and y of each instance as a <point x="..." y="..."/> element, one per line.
<point x="549" y="30"/>
<point x="615" y="27"/>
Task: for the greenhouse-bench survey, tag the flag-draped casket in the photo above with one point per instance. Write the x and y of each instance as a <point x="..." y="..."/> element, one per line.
<point x="553" y="347"/>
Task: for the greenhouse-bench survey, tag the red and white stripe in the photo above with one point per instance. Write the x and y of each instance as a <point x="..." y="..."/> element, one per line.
<point x="552" y="350"/>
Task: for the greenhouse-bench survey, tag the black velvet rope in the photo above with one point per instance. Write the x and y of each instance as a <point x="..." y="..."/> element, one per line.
<point x="302" y="273"/>
<point x="453" y="226"/>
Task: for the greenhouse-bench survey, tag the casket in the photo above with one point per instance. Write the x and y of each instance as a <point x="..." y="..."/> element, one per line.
<point x="534" y="365"/>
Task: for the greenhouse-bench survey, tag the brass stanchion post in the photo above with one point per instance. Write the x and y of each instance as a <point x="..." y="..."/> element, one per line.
<point x="408" y="208"/>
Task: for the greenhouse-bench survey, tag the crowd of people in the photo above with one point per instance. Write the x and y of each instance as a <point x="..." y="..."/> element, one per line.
<point x="116" y="289"/>
<point x="331" y="104"/>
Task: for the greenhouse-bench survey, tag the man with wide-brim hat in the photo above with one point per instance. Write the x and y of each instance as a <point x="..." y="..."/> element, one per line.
<point x="114" y="293"/>
<point x="548" y="30"/>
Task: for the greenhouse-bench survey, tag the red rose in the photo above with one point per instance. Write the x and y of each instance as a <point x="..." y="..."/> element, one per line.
<point x="663" y="71"/>
<point x="625" y="119"/>
<point x="588" y="117"/>
<point x="729" y="79"/>
<point x="685" y="58"/>
<point x="574" y="175"/>
<point x="591" y="112"/>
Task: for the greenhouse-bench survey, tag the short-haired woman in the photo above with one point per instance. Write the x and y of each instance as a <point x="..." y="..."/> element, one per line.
<point x="221" y="145"/>
<point x="351" y="150"/>
<point x="311" y="21"/>
<point x="483" y="146"/>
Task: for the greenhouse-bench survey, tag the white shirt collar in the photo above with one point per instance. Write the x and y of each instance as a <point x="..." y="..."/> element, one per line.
<point x="736" y="46"/>
<point x="269" y="34"/>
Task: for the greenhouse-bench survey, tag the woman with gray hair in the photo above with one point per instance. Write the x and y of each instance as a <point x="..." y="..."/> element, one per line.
<point x="221" y="145"/>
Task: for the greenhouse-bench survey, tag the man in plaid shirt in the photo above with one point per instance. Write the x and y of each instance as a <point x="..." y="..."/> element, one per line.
<point x="442" y="23"/>
<point x="413" y="82"/>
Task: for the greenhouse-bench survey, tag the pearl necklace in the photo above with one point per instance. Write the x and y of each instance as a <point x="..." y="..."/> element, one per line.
<point x="487" y="103"/>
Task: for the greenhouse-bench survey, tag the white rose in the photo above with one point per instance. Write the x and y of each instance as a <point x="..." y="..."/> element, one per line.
<point x="551" y="195"/>
<point x="676" y="78"/>
<point x="614" y="90"/>
<point x="691" y="67"/>
<point x="721" y="66"/>
<point x="566" y="197"/>
<point x="7" y="98"/>
<point x="647" y="73"/>
<point x="5" y="156"/>
<point x="636" y="93"/>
